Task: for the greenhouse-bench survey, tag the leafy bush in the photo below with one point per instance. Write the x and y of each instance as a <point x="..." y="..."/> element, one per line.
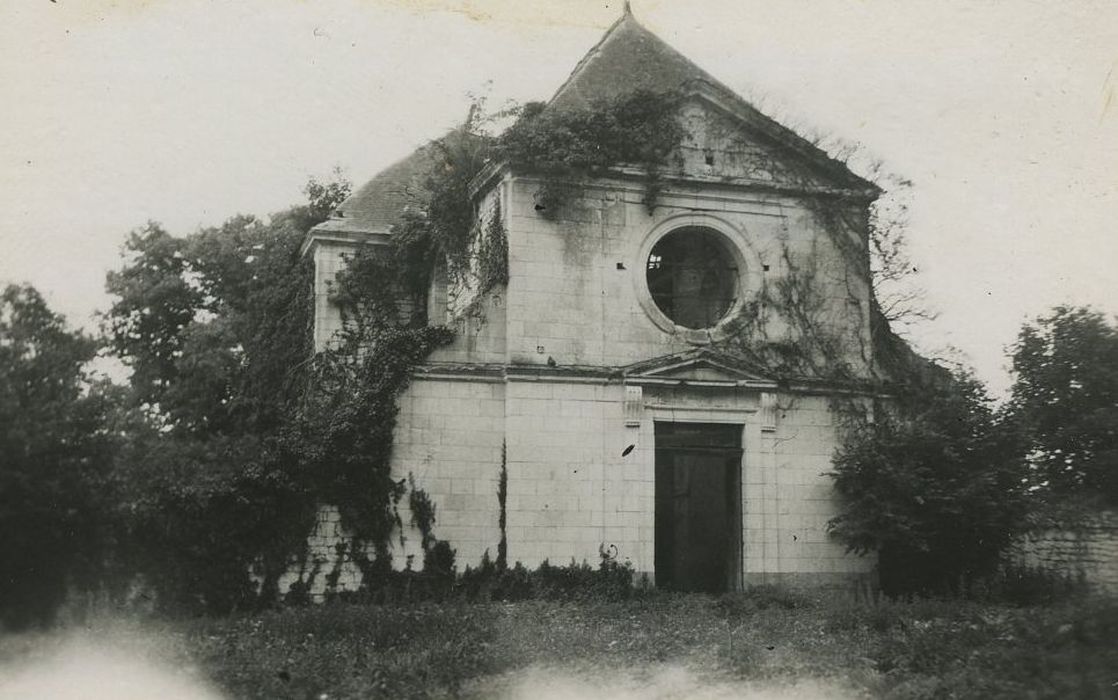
<point x="639" y="129"/>
<point x="215" y="328"/>
<point x="933" y="485"/>
<point x="196" y="517"/>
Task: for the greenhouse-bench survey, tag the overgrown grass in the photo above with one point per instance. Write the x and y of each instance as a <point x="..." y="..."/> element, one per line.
<point x="922" y="649"/>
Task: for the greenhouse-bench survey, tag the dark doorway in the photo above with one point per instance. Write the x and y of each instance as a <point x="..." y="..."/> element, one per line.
<point x="698" y="506"/>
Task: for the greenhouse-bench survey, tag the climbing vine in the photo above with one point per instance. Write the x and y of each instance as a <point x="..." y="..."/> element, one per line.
<point x="561" y="147"/>
<point x="348" y="421"/>
<point x="797" y="327"/>
<point x="350" y="409"/>
<point x="493" y="252"/>
<point x="502" y="504"/>
<point x="566" y="147"/>
<point x="422" y="513"/>
<point x="818" y="318"/>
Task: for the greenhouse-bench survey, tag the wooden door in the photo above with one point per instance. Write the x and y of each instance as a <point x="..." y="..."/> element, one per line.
<point x="698" y="525"/>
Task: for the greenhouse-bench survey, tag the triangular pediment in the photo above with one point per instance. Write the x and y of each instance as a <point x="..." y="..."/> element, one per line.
<point x="631" y="58"/>
<point x="724" y="142"/>
<point x="697" y="367"/>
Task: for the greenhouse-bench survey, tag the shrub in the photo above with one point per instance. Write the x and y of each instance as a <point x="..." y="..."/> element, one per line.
<point x="612" y="580"/>
<point x="934" y="486"/>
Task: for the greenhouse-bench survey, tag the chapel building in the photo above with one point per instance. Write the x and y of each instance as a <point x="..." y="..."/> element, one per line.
<point x="625" y="381"/>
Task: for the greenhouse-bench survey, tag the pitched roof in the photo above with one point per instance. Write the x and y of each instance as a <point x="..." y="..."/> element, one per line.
<point x="630" y="58"/>
<point x="380" y="203"/>
<point x="626" y="59"/>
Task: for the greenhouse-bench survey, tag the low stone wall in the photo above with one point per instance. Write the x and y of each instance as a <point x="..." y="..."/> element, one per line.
<point x="1087" y="550"/>
<point x="328" y="566"/>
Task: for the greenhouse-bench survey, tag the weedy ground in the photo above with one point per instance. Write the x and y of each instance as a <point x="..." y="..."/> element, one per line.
<point x="765" y="644"/>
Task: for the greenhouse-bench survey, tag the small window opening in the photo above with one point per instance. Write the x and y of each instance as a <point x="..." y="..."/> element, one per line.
<point x="438" y="296"/>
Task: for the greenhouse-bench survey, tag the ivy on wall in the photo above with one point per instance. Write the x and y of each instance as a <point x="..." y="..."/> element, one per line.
<point x="346" y="431"/>
<point x="383" y="290"/>
<point x="350" y="411"/>
<point x="233" y="437"/>
<point x="567" y="147"/>
<point x="564" y="147"/>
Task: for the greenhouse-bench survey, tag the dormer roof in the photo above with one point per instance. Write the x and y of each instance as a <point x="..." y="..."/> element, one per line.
<point x="380" y="203"/>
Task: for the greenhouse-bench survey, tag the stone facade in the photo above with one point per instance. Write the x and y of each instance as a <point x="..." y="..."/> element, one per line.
<point x="563" y="377"/>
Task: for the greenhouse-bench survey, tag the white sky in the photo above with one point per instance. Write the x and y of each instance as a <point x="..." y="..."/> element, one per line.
<point x="187" y="111"/>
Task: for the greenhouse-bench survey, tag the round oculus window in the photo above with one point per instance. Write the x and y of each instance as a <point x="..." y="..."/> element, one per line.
<point x="693" y="277"/>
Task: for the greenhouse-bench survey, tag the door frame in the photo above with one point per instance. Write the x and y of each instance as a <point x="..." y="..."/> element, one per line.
<point x="735" y="471"/>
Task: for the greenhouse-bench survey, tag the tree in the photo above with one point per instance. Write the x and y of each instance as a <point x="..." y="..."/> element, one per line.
<point x="933" y="485"/>
<point x="1065" y="401"/>
<point x="216" y="329"/>
<point x="215" y="325"/>
<point x="54" y="458"/>
<point x="901" y="300"/>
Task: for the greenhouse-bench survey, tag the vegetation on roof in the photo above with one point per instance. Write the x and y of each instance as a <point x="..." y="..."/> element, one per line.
<point x="639" y="128"/>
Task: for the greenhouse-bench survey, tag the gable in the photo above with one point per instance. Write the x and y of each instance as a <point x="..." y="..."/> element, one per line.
<point x="746" y="144"/>
<point x="725" y="146"/>
<point x="629" y="58"/>
<point x="699" y="367"/>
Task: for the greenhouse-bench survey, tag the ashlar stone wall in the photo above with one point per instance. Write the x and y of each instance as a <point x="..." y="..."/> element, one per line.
<point x="534" y="379"/>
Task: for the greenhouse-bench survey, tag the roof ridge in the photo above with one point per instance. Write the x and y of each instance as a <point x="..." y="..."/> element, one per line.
<point x="629" y="56"/>
<point x="627" y="35"/>
<point x="627" y="18"/>
<point x="596" y="49"/>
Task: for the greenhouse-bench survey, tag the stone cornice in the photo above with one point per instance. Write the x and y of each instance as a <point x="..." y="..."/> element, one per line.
<point x="496" y="171"/>
<point x="597" y="374"/>
<point x="321" y="234"/>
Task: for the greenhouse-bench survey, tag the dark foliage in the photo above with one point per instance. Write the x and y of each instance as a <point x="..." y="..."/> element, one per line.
<point x="934" y="485"/>
<point x="1065" y="402"/>
<point x="443" y="219"/>
<point x="54" y="460"/>
<point x="640" y="129"/>
<point x="611" y="580"/>
<point x="563" y="147"/>
<point x="216" y="328"/>
<point x="344" y="427"/>
<point x="439" y="581"/>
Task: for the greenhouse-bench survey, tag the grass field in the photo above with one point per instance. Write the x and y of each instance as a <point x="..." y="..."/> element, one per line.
<point x="765" y="644"/>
